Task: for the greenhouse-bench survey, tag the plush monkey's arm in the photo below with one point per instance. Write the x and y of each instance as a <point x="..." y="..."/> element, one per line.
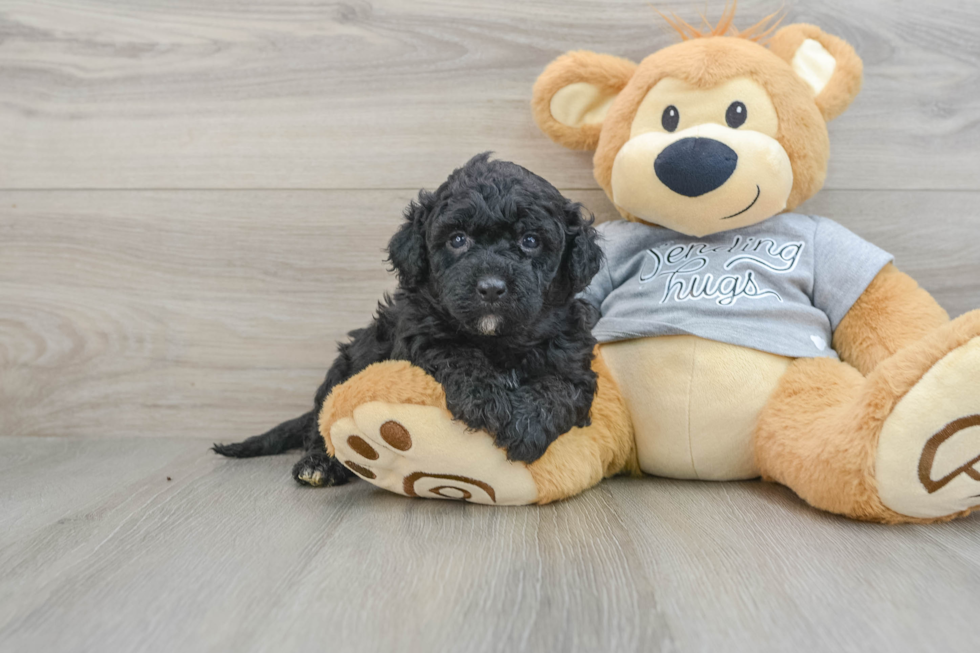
<point x="892" y="313"/>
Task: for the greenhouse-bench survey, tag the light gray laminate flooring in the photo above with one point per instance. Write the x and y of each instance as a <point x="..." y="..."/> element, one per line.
<point x="101" y="552"/>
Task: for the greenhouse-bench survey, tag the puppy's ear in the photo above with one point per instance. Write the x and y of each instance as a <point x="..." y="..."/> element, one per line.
<point x="583" y="256"/>
<point x="406" y="249"/>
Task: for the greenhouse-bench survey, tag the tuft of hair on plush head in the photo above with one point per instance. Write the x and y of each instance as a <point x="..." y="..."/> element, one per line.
<point x="760" y="32"/>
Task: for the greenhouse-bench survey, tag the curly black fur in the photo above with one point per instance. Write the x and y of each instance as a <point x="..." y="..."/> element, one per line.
<point x="488" y="268"/>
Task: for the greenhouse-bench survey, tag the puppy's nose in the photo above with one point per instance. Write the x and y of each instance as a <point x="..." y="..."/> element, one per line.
<point x="694" y="166"/>
<point x="491" y="288"/>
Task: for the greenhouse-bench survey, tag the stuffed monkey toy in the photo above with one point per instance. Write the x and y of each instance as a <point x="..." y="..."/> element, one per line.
<point x="737" y="339"/>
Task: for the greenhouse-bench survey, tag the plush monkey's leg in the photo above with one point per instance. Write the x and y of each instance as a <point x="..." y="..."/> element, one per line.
<point x="584" y="456"/>
<point x="389" y="424"/>
<point x="900" y="445"/>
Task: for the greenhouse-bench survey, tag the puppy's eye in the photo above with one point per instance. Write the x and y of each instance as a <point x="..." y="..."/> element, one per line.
<point x="736" y="115"/>
<point x="458" y="240"/>
<point x="670" y="118"/>
<point x="530" y="241"/>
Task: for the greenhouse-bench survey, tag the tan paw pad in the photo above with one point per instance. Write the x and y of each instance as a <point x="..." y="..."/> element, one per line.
<point x="928" y="461"/>
<point x="419" y="451"/>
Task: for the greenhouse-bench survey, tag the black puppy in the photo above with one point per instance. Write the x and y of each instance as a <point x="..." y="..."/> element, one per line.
<point x="488" y="269"/>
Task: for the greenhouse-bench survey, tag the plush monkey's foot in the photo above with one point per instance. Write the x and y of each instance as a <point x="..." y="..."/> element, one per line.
<point x="419" y="451"/>
<point x="928" y="458"/>
<point x="389" y="425"/>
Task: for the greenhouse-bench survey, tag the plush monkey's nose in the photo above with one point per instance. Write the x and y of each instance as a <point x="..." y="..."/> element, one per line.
<point x="491" y="288"/>
<point x="695" y="166"/>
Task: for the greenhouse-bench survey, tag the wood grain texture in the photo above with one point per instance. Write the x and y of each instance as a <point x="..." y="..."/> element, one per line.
<point x="214" y="315"/>
<point x="206" y="314"/>
<point x="98" y="551"/>
<point x="769" y="571"/>
<point x="390" y="94"/>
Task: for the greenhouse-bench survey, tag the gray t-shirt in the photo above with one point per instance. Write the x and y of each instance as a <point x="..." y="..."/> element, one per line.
<point x="780" y="286"/>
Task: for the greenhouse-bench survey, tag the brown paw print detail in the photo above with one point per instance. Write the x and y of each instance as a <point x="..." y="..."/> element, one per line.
<point x="451" y="490"/>
<point x="393" y="433"/>
<point x="396" y="435"/>
<point x="361" y="447"/>
<point x="362" y="471"/>
<point x="928" y="458"/>
<point x="445" y="486"/>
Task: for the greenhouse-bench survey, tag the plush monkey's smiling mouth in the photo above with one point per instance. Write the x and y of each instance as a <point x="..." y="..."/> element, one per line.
<point x="758" y="191"/>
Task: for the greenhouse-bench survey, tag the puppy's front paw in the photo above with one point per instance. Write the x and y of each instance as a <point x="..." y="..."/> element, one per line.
<point x="319" y="470"/>
<point x="524" y="442"/>
<point x="532" y="428"/>
<point x="485" y="409"/>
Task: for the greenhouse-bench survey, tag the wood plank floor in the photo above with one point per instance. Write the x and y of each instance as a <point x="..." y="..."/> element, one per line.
<point x="100" y="552"/>
<point x="194" y="202"/>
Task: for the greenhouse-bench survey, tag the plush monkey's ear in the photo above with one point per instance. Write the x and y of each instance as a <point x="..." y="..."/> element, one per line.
<point x="826" y="63"/>
<point x="406" y="249"/>
<point x="573" y="94"/>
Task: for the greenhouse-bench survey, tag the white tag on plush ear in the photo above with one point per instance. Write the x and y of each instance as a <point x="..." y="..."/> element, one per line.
<point x="814" y="64"/>
<point x="580" y="104"/>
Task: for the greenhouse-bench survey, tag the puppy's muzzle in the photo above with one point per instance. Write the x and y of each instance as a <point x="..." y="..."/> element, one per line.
<point x="491" y="289"/>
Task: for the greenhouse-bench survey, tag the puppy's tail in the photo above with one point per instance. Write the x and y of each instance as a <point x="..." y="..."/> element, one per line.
<point x="291" y="434"/>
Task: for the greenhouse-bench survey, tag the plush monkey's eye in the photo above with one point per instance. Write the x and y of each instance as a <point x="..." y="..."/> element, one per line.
<point x="670" y="118"/>
<point x="458" y="240"/>
<point x="530" y="241"/>
<point x="736" y="115"/>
